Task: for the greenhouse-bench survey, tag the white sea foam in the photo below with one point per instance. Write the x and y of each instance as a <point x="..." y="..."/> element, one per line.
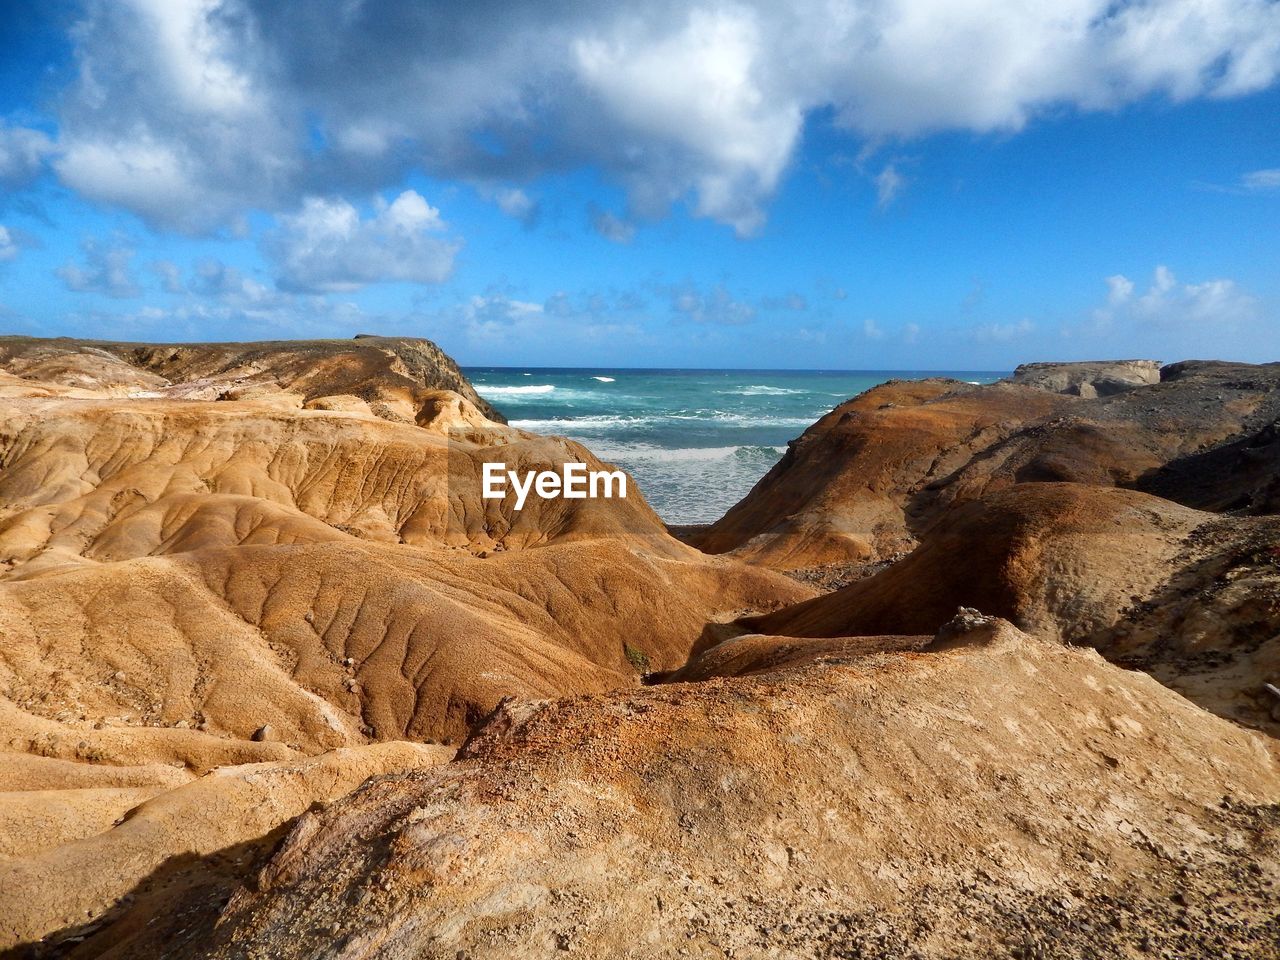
<point x="760" y="390"/>
<point x="581" y="423"/>
<point x="605" y="379"/>
<point x="485" y="390"/>
<point x="569" y="425"/>
<point x="639" y="452"/>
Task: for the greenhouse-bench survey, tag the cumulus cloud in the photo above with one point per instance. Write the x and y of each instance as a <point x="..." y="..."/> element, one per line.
<point x="512" y="201"/>
<point x="717" y="306"/>
<point x="889" y="183"/>
<point x="8" y="244"/>
<point x="326" y="246"/>
<point x="107" y="269"/>
<point x="610" y="226"/>
<point x="1169" y="303"/>
<point x="494" y="315"/>
<point x="169" y="274"/>
<point x="216" y="295"/>
<point x="872" y="330"/>
<point x="694" y="100"/>
<point x="1003" y="332"/>
<point x="23" y="152"/>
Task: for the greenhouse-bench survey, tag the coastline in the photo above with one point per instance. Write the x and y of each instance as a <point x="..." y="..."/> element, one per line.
<point x="239" y="611"/>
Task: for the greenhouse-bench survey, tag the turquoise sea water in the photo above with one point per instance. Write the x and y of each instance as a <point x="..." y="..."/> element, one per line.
<point x="696" y="441"/>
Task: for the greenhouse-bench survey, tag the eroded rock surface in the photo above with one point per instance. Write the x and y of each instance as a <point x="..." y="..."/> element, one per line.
<point x="275" y="559"/>
<point x="390" y="374"/>
<point x="1089" y="378"/>
<point x="990" y="797"/>
<point x="869" y="479"/>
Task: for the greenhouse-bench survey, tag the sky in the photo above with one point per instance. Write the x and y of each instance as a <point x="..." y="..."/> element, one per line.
<point x="831" y="184"/>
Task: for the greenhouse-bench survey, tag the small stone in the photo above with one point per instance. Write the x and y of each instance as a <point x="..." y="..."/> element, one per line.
<point x="264" y="734"/>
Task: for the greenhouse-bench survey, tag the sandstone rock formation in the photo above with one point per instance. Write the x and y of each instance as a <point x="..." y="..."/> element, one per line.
<point x="224" y="597"/>
<point x="995" y="795"/>
<point x="251" y="602"/>
<point x="870" y="478"/>
<point x="844" y="491"/>
<point x="390" y="374"/>
<point x="1191" y="597"/>
<point x="1088" y="378"/>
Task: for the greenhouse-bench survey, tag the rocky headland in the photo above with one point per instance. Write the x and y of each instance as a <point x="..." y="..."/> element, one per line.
<point x="276" y="681"/>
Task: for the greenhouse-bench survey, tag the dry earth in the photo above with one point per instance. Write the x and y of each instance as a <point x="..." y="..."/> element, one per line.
<point x="196" y="580"/>
<point x="251" y="602"/>
<point x="991" y="795"/>
<point x="866" y="481"/>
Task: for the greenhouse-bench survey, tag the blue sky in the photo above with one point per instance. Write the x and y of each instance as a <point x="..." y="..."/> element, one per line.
<point x="947" y="184"/>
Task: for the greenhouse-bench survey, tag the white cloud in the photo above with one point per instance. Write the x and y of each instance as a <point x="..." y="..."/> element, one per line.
<point x="169" y="274"/>
<point x="691" y="100"/>
<point x="695" y="88"/>
<point x="889" y="183"/>
<point x="718" y="306"/>
<point x="611" y="226"/>
<point x="872" y="330"/>
<point x="22" y="154"/>
<point x="1119" y="289"/>
<point x="496" y="316"/>
<point x="327" y="247"/>
<point x="1003" y="332"/>
<point x="1172" y="304"/>
<point x="107" y="270"/>
<point x="1259" y="181"/>
<point x="8" y="244"/>
<point x="512" y="201"/>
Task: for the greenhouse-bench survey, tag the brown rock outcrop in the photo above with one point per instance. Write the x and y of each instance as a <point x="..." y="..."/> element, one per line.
<point x="1088" y="378"/>
<point x="391" y="373"/>
<point x="978" y="800"/>
<point x="271" y="564"/>
<point x="846" y="490"/>
<point x="1191" y="597"/>
<point x="871" y="477"/>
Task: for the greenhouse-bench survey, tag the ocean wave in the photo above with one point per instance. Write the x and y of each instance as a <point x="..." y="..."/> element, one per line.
<point x="760" y="390"/>
<point x="605" y="379"/>
<point x="571" y="425"/>
<point x="562" y="425"/>
<point x="652" y="454"/>
<point x="485" y="390"/>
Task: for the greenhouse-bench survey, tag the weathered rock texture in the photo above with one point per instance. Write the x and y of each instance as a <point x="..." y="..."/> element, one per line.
<point x="390" y="374"/>
<point x="853" y="486"/>
<point x="870" y="478"/>
<point x="993" y="795"/>
<point x="1191" y="597"/>
<point x="228" y="573"/>
<point x="251" y="601"/>
<point x="1090" y="378"/>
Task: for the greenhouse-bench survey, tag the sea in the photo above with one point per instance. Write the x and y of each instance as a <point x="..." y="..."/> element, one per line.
<point x="696" y="441"/>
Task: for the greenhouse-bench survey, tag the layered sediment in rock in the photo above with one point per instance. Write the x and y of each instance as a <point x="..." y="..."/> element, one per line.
<point x="871" y="477"/>
<point x="251" y="601"/>
<point x="391" y="375"/>
<point x="1191" y="597"/>
<point x="240" y="569"/>
<point x="993" y="795"/>
<point x="1089" y="378"/>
